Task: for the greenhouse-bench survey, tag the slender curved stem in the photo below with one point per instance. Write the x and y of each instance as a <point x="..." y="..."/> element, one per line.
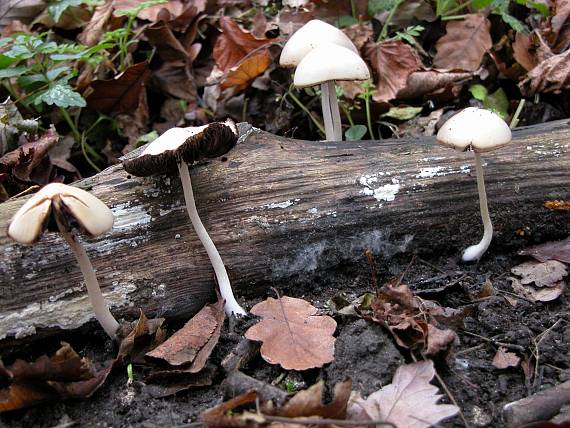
<point x="231" y="305"/>
<point x="475" y="252"/>
<point x="335" y="112"/>
<point x="100" y="308"/>
<point x="327" y="116"/>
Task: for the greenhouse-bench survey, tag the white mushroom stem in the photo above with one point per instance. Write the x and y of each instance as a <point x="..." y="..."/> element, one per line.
<point x="100" y="308"/>
<point x="475" y="252"/>
<point x="231" y="305"/>
<point x="327" y="115"/>
<point x="335" y="112"/>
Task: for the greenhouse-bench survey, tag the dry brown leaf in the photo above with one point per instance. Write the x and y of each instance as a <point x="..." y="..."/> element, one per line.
<point x="21" y="10"/>
<point x="62" y="376"/>
<point x="522" y="48"/>
<point x="167" y="45"/>
<point x="174" y="8"/>
<point x="464" y="43"/>
<point x="557" y="205"/>
<point x="422" y="83"/>
<point x="194" y="342"/>
<point x="556" y="250"/>
<point x="91" y="34"/>
<point x="259" y="25"/>
<point x="504" y="359"/>
<point x="246" y="72"/>
<point x="535" y="294"/>
<point x="392" y="61"/>
<point x="121" y="94"/>
<point x="409" y="401"/>
<point x="293" y="335"/>
<point x="542" y="274"/>
<point x="309" y="402"/>
<point x="410" y="319"/>
<point x="139" y="337"/>
<point x="558" y="32"/>
<point x="550" y="75"/>
<point x="234" y="44"/>
<point x="359" y="34"/>
<point x="21" y="162"/>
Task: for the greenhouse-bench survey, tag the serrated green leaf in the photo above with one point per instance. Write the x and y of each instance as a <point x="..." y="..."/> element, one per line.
<point x="479" y="92"/>
<point x="13" y="72"/>
<point x="57" y="7"/>
<point x="62" y="95"/>
<point x="498" y="103"/>
<point x="378" y="6"/>
<point x="403" y="113"/>
<point x="355" y="133"/>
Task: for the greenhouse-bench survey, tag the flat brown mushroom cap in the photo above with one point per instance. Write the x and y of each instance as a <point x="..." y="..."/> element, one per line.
<point x="183" y="144"/>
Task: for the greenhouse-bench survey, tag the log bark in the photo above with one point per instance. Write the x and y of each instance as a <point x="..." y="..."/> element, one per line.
<point x="281" y="210"/>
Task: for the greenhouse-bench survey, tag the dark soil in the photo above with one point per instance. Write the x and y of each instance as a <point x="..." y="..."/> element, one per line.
<point x="364" y="351"/>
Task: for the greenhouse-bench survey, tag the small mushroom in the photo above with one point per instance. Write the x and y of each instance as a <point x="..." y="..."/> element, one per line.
<point x="68" y="207"/>
<point x="310" y="36"/>
<point x="323" y="66"/>
<point x="179" y="147"/>
<point x="481" y="131"/>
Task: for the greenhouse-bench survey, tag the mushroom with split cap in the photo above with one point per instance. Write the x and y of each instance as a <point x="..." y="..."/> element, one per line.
<point x="481" y="131"/>
<point x="323" y="66"/>
<point x="179" y="147"/>
<point x="61" y="207"/>
<point x="312" y="35"/>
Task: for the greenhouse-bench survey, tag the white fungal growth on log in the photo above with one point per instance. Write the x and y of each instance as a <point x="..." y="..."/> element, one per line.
<point x="386" y="192"/>
<point x="64" y="314"/>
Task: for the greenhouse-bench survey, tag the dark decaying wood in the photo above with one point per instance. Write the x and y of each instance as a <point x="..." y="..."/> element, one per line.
<point x="281" y="209"/>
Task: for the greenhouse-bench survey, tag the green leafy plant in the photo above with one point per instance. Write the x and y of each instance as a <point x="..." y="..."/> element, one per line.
<point x="496" y="101"/>
<point x="124" y="37"/>
<point x="409" y="34"/>
<point x="56" y="8"/>
<point x="368" y="88"/>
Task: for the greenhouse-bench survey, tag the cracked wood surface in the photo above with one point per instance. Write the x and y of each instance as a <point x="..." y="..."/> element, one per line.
<point x="281" y="210"/>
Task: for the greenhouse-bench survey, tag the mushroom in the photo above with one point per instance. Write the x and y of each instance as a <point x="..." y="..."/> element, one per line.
<point x="481" y="131"/>
<point x="68" y="207"/>
<point x="312" y="35"/>
<point x="323" y="66"/>
<point x="178" y="147"/>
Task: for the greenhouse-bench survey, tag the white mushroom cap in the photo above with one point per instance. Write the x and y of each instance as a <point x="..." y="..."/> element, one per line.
<point x="308" y="37"/>
<point x="330" y="62"/>
<point x="28" y="223"/>
<point x="474" y="129"/>
<point x="172" y="139"/>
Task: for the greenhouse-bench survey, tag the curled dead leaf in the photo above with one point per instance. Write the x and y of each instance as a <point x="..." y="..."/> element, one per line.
<point x="542" y="274"/>
<point x="293" y="335"/>
<point x="556" y="250"/>
<point x="550" y="75"/>
<point x="243" y="74"/>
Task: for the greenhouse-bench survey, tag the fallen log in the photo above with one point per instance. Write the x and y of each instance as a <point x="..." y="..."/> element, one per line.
<point x="282" y="210"/>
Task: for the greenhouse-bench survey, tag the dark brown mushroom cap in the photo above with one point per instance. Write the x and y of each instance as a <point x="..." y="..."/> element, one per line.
<point x="183" y="144"/>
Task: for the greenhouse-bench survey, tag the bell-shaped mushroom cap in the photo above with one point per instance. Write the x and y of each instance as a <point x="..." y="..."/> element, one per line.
<point x="474" y="129"/>
<point x="330" y="62"/>
<point x="188" y="144"/>
<point x="308" y="37"/>
<point x="91" y="214"/>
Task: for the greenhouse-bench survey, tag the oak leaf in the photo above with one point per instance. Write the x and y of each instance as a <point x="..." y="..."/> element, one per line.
<point x="234" y="44"/>
<point x="542" y="274"/>
<point x="293" y="335"/>
<point x="409" y="401"/>
<point x="392" y="61"/>
<point x="464" y="44"/>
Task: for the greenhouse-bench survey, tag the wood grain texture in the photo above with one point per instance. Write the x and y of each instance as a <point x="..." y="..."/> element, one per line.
<point x="280" y="209"/>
